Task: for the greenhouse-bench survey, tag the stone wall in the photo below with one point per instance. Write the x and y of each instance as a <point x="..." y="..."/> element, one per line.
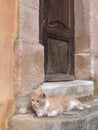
<point x="8" y="28"/>
<point x="94" y="40"/>
<point x="29" y="55"/>
<point x="86" y="41"/>
<point x="82" y="40"/>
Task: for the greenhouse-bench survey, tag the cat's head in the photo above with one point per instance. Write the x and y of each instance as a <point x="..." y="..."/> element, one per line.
<point x="38" y="98"/>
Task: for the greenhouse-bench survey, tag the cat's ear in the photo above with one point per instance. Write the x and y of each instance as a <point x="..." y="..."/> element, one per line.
<point x="44" y="95"/>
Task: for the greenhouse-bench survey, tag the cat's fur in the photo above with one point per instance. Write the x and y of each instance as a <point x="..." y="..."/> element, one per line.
<point x="54" y="105"/>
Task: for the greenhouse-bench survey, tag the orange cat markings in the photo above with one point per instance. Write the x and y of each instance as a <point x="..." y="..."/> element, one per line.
<point x="54" y="105"/>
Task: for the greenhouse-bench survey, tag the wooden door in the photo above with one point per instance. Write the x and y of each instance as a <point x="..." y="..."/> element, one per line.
<point x="57" y="36"/>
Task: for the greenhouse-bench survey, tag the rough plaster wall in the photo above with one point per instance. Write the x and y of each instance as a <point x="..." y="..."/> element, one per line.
<point x="7" y="36"/>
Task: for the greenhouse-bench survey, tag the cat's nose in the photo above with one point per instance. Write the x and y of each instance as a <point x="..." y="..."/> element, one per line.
<point x="38" y="101"/>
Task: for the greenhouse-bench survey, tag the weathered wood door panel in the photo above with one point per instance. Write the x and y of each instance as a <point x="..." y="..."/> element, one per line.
<point x="57" y="36"/>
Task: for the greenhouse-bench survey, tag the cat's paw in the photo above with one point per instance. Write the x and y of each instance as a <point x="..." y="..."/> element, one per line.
<point x="80" y="108"/>
<point x="39" y="114"/>
<point x="52" y="114"/>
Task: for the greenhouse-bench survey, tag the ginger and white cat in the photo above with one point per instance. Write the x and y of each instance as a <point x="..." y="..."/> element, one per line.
<point x="54" y="105"/>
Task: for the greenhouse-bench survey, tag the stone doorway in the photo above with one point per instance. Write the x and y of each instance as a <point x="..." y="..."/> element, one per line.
<point x="57" y="36"/>
<point x="29" y="52"/>
<point x="29" y="57"/>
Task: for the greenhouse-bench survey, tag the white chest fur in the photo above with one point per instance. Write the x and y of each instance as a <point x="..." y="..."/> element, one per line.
<point x="43" y="111"/>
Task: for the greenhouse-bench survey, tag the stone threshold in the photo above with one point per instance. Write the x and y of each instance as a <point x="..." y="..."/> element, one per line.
<point x="76" y="88"/>
<point x="73" y="120"/>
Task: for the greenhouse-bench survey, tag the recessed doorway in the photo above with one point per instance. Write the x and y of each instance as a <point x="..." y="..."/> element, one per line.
<point x="57" y="36"/>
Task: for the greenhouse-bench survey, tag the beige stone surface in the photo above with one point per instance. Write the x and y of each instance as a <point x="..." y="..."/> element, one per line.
<point x="94" y="26"/>
<point x="29" y="54"/>
<point x="94" y="40"/>
<point x="29" y="71"/>
<point x="76" y="88"/>
<point x="82" y="44"/>
<point x="82" y="66"/>
<point x="86" y="39"/>
<point x="29" y="57"/>
<point x="26" y="122"/>
<point x="96" y="67"/>
<point x="73" y="120"/>
<point x="82" y="26"/>
<point x="29" y="20"/>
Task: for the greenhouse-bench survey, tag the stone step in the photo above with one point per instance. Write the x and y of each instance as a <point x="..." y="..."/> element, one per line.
<point x="76" y="88"/>
<point x="73" y="120"/>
